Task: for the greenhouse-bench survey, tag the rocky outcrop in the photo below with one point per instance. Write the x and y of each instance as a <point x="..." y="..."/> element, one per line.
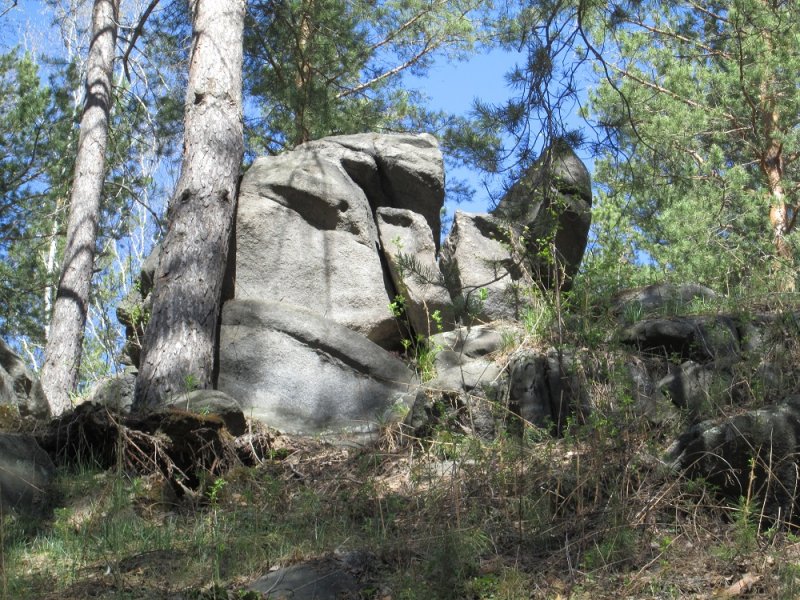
<point x="134" y="309"/>
<point x="301" y="373"/>
<point x="19" y="387"/>
<point x="550" y="210"/>
<point x="115" y="392"/>
<point x="331" y="234"/>
<point x="408" y="174"/>
<point x="702" y="338"/>
<point x="536" y="236"/>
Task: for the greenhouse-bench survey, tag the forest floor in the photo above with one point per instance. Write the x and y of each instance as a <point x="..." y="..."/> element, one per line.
<point x="595" y="514"/>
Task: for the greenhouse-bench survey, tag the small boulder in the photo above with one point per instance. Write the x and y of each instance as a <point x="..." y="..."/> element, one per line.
<point x="699" y="338"/>
<point x="327" y="578"/>
<point x="484" y="278"/>
<point x="19" y="387"/>
<point x="25" y="473"/>
<point x="212" y="402"/>
<point x="473" y="342"/>
<point x="115" y="392"/>
<point x="751" y="455"/>
<point x="546" y="389"/>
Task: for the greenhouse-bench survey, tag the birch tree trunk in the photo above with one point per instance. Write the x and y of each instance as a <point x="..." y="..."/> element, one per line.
<point x="65" y="340"/>
<point x="178" y="349"/>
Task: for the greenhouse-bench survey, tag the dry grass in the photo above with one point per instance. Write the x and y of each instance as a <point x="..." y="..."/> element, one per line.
<point x="593" y="515"/>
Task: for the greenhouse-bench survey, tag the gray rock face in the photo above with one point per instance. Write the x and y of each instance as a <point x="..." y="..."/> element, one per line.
<point x="470" y="341"/>
<point x="25" y="473"/>
<point x="547" y="389"/>
<point x="475" y="261"/>
<point x="306" y="233"/>
<point x="552" y="201"/>
<point x="462" y="361"/>
<point x="409" y="168"/>
<point x="301" y="373"/>
<point x="761" y="443"/>
<point x="411" y="255"/>
<point x="305" y="236"/>
<point x="19" y="387"/>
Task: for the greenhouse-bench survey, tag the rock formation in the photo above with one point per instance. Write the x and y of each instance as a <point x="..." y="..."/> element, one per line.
<point x="327" y="237"/>
<point x="550" y="210"/>
<point x="19" y="387"/>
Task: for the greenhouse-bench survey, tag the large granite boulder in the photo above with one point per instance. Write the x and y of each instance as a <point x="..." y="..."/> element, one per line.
<point x="305" y="228"/>
<point x="301" y="373"/>
<point x="551" y="204"/>
<point x="19" y="387"/>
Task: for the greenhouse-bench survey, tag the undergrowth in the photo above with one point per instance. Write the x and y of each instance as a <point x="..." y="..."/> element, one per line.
<point x="593" y="514"/>
<point x="586" y="516"/>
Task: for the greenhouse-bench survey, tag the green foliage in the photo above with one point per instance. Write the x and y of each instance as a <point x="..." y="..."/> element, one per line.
<point x="697" y="98"/>
<point x="37" y="147"/>
<point x="418" y="348"/>
<point x="322" y="67"/>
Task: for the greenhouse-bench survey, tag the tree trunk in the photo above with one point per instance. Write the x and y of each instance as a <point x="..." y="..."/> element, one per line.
<point x="65" y="340"/>
<point x="780" y="217"/>
<point x="179" y="341"/>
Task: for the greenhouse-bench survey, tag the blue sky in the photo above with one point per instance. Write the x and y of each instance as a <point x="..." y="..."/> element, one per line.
<point x="450" y="86"/>
<point x="453" y="87"/>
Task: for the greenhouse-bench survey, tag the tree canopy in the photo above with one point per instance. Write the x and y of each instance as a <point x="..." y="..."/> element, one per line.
<point x="698" y="175"/>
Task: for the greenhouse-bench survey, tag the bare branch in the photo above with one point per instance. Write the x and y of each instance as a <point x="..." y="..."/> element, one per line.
<point x="137" y="32"/>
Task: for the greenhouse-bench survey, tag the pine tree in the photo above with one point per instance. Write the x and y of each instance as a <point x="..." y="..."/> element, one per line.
<point x="180" y="337"/>
<point x="65" y="339"/>
<point x="702" y="106"/>
<point x="321" y="67"/>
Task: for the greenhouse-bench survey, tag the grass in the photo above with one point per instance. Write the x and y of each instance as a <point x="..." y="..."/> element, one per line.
<point x="593" y="515"/>
<point x="588" y="516"/>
